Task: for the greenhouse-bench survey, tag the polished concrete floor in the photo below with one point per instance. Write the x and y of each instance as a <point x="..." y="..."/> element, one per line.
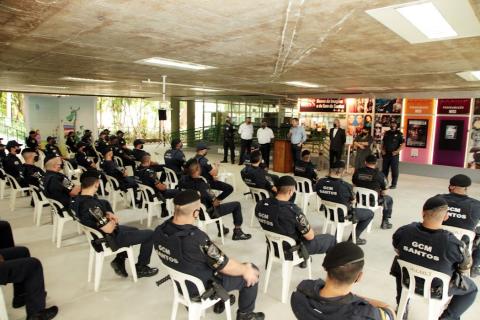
<point x="66" y="268"/>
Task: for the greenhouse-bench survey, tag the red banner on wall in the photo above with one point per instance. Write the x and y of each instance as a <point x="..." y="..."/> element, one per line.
<point x="453" y="106"/>
<point x="322" y="105"/>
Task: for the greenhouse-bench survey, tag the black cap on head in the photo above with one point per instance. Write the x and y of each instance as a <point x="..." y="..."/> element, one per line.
<point x="13" y="143"/>
<point x="305" y="153"/>
<point x="136" y="142"/>
<point x="340" y="164"/>
<point x="461" y="180"/>
<point x="113" y="137"/>
<point x="186" y="197"/>
<point x="32" y="132"/>
<point x="81" y="144"/>
<point x="286" y="181"/>
<point x="91" y="173"/>
<point x="174" y="143"/>
<point x="120" y="132"/>
<point x="49" y="138"/>
<point x="202" y="146"/>
<point x="371" y="159"/>
<point x="342" y="254"/>
<point x="434" y="203"/>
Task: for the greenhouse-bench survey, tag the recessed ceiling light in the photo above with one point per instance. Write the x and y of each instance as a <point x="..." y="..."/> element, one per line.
<point x="176" y="64"/>
<point x="87" y="80"/>
<point x="470" y="75"/>
<point x="48" y="87"/>
<point x="303" y="84"/>
<point x="205" y="89"/>
<point x="426" y="18"/>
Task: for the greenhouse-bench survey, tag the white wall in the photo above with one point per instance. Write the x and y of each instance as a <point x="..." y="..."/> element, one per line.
<point x="41" y="112"/>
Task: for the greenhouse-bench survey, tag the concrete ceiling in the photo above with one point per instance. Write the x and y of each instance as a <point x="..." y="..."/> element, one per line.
<point x="255" y="46"/>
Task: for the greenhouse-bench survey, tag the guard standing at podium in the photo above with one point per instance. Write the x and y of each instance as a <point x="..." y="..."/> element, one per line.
<point x="427" y="245"/>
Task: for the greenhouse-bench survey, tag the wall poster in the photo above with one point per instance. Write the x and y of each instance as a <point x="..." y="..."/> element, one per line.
<point x="322" y="105"/>
<point x="450" y="140"/>
<point x="388" y="105"/>
<point x="473" y="156"/>
<point x="417" y="133"/>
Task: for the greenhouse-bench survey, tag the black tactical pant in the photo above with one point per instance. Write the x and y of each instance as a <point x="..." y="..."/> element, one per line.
<point x="234" y="208"/>
<point x="247" y="295"/>
<point x="335" y="155"/>
<point x="296" y="153"/>
<point x="320" y="244"/>
<point x="26" y="274"/>
<point x="393" y="162"/>
<point x="364" y="216"/>
<point x="6" y="236"/>
<point x="265" y="150"/>
<point x="129" y="236"/>
<point x="229" y="145"/>
<point x="245" y="146"/>
<point x="221" y="186"/>
<point x="387" y="203"/>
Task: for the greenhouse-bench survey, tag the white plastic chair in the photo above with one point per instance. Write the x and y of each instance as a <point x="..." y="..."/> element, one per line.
<point x="305" y="192"/>
<point x="3" y="306"/>
<point x="40" y="201"/>
<point x="275" y="244"/>
<point x="15" y="189"/>
<point x="435" y="306"/>
<point x="257" y="195"/>
<point x="172" y="178"/>
<point x="41" y="159"/>
<point x="69" y="171"/>
<point x="99" y="257"/>
<point x="459" y="233"/>
<point x="59" y="220"/>
<point x="332" y="210"/>
<point x="118" y="161"/>
<point x="149" y="203"/>
<point x="368" y="199"/>
<point x="3" y="183"/>
<point x="195" y="309"/>
<point x="203" y="223"/>
<point x="113" y="187"/>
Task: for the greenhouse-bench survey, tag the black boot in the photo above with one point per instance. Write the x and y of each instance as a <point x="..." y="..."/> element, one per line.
<point x="225" y="231"/>
<point x="145" y="271"/>
<point x="45" y="314"/>
<point x="239" y="235"/>
<point x="386" y="224"/>
<point x="250" y="315"/>
<point x="118" y="266"/>
<point x="219" y="307"/>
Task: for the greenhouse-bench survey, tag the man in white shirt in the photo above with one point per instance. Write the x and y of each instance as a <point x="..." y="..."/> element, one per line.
<point x="246" y="135"/>
<point x="265" y="136"/>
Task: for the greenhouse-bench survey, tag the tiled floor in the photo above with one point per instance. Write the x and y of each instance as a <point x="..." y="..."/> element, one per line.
<point x="66" y="268"/>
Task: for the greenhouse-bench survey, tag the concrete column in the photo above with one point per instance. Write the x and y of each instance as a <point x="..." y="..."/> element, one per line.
<point x="191" y="121"/>
<point x="175" y="114"/>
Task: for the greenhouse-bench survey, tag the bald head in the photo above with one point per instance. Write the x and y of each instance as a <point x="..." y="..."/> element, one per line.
<point x="54" y="164"/>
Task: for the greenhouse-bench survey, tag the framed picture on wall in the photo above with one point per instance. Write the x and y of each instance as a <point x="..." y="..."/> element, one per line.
<point x="417" y="133"/>
<point x="451" y="135"/>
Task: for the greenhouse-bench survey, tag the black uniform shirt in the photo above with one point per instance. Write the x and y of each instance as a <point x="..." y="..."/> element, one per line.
<point x="392" y="141"/>
<point x="307" y="304"/>
<point x="306" y="170"/>
<point x="335" y="190"/>
<point x="87" y="140"/>
<point x="256" y="177"/>
<point x="463" y="211"/>
<point x="175" y="160"/>
<point x="51" y="149"/>
<point x="58" y="187"/>
<point x="438" y="250"/>
<point x="31" y="143"/>
<point x="82" y="160"/>
<point x="148" y="176"/>
<point x="33" y="175"/>
<point x="112" y="169"/>
<point x="139" y="153"/>
<point x="370" y="178"/>
<point x="13" y="166"/>
<point x="82" y="204"/>
<point x="121" y="141"/>
<point x="206" y="167"/>
<point x="198" y="184"/>
<point x="282" y="217"/>
<point x="70" y="142"/>
<point x="100" y="145"/>
<point x="228" y="132"/>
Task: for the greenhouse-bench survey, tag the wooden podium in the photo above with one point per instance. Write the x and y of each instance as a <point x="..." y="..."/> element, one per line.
<point x="282" y="156"/>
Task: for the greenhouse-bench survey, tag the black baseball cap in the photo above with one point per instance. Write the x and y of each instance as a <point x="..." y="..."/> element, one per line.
<point x="81" y="144"/>
<point x="31" y="132"/>
<point x="340" y="164"/>
<point x="120" y="132"/>
<point x="305" y="152"/>
<point x="341" y="254"/>
<point x="461" y="180"/>
<point x="51" y="138"/>
<point x="136" y="142"/>
<point x="286" y="181"/>
<point x="434" y="203"/>
<point x="186" y="197"/>
<point x="174" y="143"/>
<point x="202" y="146"/>
<point x="13" y="143"/>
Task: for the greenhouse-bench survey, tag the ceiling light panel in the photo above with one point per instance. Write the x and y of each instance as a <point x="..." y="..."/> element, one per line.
<point x="205" y="89"/>
<point x="175" y="64"/>
<point x="87" y="80"/>
<point x="427" y="21"/>
<point x="303" y="84"/>
<point x="470" y="75"/>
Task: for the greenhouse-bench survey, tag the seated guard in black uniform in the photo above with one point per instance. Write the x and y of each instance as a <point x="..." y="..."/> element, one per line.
<point x="71" y="142"/>
<point x="256" y="177"/>
<point x="333" y="299"/>
<point x="88" y="141"/>
<point x="56" y="185"/>
<point x="175" y="158"/>
<point x="370" y="177"/>
<point x="51" y="148"/>
<point x="11" y="163"/>
<point x="281" y="216"/>
<point x="121" y="139"/>
<point x="81" y="157"/>
<point x="98" y="214"/>
<point x="26" y="274"/>
<point x="193" y="180"/>
<point x="138" y="153"/>
<point x="185" y="248"/>
<point x="30" y="141"/>
<point x="210" y="172"/>
<point x="111" y="168"/>
<point x="427" y="245"/>
<point x="305" y="168"/>
<point x="32" y="174"/>
<point x="464" y="213"/>
<point x="119" y="151"/>
<point x="247" y="160"/>
<point x="101" y="144"/>
<point x="332" y="188"/>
